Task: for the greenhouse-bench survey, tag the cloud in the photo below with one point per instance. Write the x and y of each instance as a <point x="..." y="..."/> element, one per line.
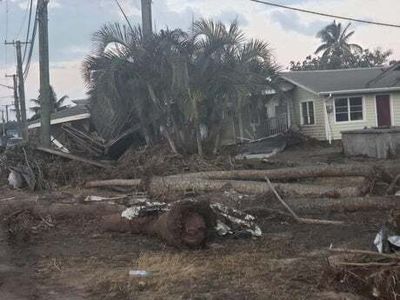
<point x="230" y="15"/>
<point x="291" y="21"/>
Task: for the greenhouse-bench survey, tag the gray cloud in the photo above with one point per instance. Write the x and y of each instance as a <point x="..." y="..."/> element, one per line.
<point x="230" y="15"/>
<point x="291" y="21"/>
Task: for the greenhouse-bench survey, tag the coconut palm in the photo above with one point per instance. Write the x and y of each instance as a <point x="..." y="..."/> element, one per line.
<point x="58" y="104"/>
<point x="335" y="45"/>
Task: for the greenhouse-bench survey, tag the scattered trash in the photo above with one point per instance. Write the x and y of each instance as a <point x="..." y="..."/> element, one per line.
<point x="139" y="273"/>
<point x="388" y="238"/>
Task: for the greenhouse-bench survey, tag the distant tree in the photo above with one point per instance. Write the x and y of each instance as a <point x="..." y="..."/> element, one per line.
<point x="58" y="104"/>
<point x="366" y="59"/>
<point x="336" y="48"/>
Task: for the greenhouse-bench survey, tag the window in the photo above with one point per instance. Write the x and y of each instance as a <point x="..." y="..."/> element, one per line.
<point x="349" y="109"/>
<point x="307" y="113"/>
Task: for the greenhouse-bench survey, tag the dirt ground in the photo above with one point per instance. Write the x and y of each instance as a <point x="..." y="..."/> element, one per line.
<point x="72" y="258"/>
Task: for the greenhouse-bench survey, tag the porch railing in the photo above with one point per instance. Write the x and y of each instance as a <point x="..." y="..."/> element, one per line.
<point x="276" y="125"/>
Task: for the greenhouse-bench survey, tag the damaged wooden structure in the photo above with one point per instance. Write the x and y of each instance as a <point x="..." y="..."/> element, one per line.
<point x="74" y="130"/>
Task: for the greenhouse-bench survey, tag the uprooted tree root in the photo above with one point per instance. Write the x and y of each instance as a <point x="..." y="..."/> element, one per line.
<point x="186" y="224"/>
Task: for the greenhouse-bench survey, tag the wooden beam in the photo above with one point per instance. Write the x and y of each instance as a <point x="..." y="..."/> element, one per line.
<point x="74" y="157"/>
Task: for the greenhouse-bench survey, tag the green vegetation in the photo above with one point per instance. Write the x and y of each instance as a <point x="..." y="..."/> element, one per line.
<point x="179" y="85"/>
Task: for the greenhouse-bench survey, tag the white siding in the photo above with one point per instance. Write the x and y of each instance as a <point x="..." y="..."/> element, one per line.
<point x="318" y="129"/>
<point x="370" y="120"/>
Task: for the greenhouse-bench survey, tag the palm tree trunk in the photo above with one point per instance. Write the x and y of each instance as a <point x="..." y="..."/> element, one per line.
<point x="198" y="139"/>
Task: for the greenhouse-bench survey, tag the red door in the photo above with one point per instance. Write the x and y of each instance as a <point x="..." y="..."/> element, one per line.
<point x="383" y="111"/>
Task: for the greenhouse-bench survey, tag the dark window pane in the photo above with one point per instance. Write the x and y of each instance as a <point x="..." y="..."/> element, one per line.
<point x="356" y="108"/>
<point x="342" y="117"/>
<point x="341" y="102"/>
<point x="355" y="101"/>
<point x="356" y="116"/>
<point x="341" y="109"/>
<point x="312" y="121"/>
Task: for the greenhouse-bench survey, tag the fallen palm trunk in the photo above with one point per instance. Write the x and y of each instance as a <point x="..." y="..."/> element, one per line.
<point x="58" y="210"/>
<point x="163" y="185"/>
<point x="287" y="173"/>
<point x="350" y="204"/>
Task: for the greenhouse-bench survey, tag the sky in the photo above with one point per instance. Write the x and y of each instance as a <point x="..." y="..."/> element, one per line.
<point x="291" y="35"/>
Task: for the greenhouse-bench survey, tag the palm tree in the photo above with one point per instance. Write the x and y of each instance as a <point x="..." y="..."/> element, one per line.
<point x="58" y="104"/>
<point x="335" y="47"/>
<point x="176" y="83"/>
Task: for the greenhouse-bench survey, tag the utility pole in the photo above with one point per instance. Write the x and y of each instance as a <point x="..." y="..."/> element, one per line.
<point x="147" y="19"/>
<point x="45" y="102"/>
<point x="2" y="120"/>
<point x="16" y="103"/>
<point x="21" y="88"/>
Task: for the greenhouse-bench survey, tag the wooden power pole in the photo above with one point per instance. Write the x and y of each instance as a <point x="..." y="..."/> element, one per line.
<point x="16" y="102"/>
<point x="147" y="18"/>
<point x="21" y="89"/>
<point x="45" y="101"/>
<point x="16" y="105"/>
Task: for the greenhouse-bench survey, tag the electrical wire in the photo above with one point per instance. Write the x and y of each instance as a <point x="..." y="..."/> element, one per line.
<point x="327" y="15"/>
<point x="6" y="36"/>
<point x="23" y="20"/>
<point x="32" y="44"/>
<point x="28" y="30"/>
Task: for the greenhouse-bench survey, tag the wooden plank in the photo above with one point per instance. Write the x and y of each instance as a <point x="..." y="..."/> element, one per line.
<point x="73" y="157"/>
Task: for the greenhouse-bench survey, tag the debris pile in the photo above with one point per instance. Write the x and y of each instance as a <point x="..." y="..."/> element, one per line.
<point x="24" y="166"/>
<point x="367" y="273"/>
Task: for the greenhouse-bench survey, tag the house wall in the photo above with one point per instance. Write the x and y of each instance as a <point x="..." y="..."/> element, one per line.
<point x="317" y="130"/>
<point x="395" y="98"/>
<point x="369" y="113"/>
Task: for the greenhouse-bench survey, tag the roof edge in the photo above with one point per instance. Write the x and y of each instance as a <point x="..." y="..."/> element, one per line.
<point x="300" y="85"/>
<point x="357" y="91"/>
<point x="62" y="120"/>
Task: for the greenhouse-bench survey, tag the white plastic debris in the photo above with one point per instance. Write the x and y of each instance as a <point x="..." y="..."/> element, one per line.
<point x="139" y="273"/>
<point x="15" y="180"/>
<point x="229" y="220"/>
<point x="380" y="241"/>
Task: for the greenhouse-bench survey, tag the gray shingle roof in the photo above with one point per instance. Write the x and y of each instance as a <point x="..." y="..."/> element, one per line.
<point x="335" y="81"/>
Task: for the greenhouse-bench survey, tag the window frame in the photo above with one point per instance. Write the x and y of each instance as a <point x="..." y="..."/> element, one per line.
<point x="301" y="113"/>
<point x="348" y="109"/>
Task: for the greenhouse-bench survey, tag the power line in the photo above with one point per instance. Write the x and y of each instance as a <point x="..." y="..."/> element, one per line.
<point x="327" y="15"/>
<point x="6" y="35"/>
<point x="23" y="20"/>
<point x="32" y="44"/>
<point x="28" y="30"/>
